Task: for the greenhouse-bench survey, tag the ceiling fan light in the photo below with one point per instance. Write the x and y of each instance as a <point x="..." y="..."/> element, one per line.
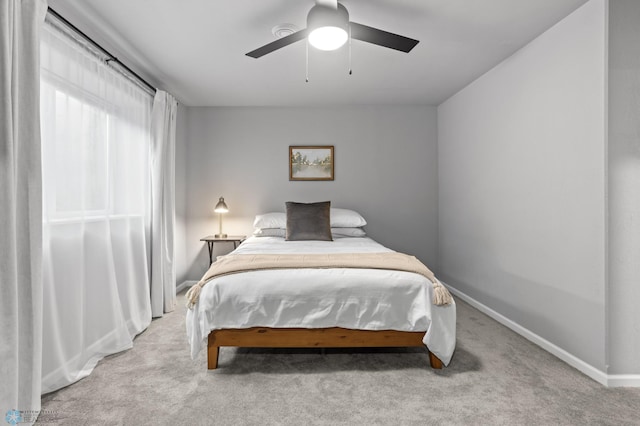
<point x="328" y="38"/>
<point x="328" y="27"/>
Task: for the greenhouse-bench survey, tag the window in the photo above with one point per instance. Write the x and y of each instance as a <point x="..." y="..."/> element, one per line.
<point x="96" y="139"/>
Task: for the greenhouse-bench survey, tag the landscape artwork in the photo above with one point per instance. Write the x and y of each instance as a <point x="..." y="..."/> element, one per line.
<point x="311" y="162"/>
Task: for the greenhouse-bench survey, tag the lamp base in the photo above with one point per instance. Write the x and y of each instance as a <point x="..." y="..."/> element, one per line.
<point x="220" y="236"/>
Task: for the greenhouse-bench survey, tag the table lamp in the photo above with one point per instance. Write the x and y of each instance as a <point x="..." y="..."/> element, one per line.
<point x="221" y="208"/>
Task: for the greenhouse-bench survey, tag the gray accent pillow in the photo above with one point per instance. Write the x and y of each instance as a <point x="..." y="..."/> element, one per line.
<point x="308" y="221"/>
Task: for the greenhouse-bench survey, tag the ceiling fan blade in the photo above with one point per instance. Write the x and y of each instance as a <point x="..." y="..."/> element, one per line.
<point x="382" y="38"/>
<point x="278" y="44"/>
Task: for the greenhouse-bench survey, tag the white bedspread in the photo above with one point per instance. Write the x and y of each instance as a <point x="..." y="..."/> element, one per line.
<point x="363" y="299"/>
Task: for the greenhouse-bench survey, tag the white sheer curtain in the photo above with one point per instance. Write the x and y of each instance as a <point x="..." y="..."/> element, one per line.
<point x="163" y="156"/>
<point x="96" y="183"/>
<point x="20" y="210"/>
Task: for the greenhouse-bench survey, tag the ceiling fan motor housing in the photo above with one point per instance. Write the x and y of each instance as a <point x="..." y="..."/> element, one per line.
<point x="324" y="16"/>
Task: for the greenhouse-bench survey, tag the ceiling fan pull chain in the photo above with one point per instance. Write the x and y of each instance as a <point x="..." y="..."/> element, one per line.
<point x="350" y="71"/>
<point x="306" y="79"/>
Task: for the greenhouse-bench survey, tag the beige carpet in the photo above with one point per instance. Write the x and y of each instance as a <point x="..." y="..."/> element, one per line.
<point x="495" y="378"/>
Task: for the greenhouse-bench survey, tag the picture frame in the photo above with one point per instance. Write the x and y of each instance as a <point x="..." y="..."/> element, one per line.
<point x="311" y="162"/>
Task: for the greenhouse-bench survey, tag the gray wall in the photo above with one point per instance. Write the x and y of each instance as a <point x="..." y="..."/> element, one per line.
<point x="385" y="168"/>
<point x="522" y="186"/>
<point x="624" y="186"/>
<point x="180" y="232"/>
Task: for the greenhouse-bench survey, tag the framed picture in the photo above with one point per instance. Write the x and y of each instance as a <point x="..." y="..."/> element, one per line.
<point x="311" y="162"/>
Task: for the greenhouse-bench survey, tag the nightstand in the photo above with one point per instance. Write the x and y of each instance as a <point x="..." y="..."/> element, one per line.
<point x="211" y="240"/>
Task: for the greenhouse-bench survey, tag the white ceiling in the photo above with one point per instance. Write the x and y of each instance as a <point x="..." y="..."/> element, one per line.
<point x="195" y="49"/>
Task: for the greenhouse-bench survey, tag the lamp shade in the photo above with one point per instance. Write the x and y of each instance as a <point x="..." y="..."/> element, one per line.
<point x="221" y="207"/>
<point x="328" y="27"/>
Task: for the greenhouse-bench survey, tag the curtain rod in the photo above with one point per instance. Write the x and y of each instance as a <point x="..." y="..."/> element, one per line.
<point x="102" y="49"/>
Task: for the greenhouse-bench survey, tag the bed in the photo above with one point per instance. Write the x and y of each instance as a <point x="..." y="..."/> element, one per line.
<point x="301" y="306"/>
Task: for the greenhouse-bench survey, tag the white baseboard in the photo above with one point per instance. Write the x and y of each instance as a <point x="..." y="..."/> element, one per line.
<point x="185" y="284"/>
<point x="610" y="380"/>
<point x="623" y="380"/>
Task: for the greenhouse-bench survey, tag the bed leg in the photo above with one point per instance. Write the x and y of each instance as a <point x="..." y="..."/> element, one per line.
<point x="213" y="351"/>
<point x="435" y="361"/>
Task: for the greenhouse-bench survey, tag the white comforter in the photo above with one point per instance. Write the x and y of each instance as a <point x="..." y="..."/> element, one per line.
<point x="364" y="299"/>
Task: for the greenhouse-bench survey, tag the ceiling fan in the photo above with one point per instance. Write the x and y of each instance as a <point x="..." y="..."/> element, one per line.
<point x="328" y="28"/>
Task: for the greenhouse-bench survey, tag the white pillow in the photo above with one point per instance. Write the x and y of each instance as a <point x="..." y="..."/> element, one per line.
<point x="336" y="232"/>
<point x="340" y="218"/>
<point x="270" y="232"/>
<point x="343" y="218"/>
<point x="270" y="220"/>
<point x="348" y="232"/>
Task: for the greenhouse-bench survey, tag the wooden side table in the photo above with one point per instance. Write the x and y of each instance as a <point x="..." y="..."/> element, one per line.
<point x="211" y="240"/>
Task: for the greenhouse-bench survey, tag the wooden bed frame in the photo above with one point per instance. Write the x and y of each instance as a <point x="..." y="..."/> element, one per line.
<point x="335" y="337"/>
